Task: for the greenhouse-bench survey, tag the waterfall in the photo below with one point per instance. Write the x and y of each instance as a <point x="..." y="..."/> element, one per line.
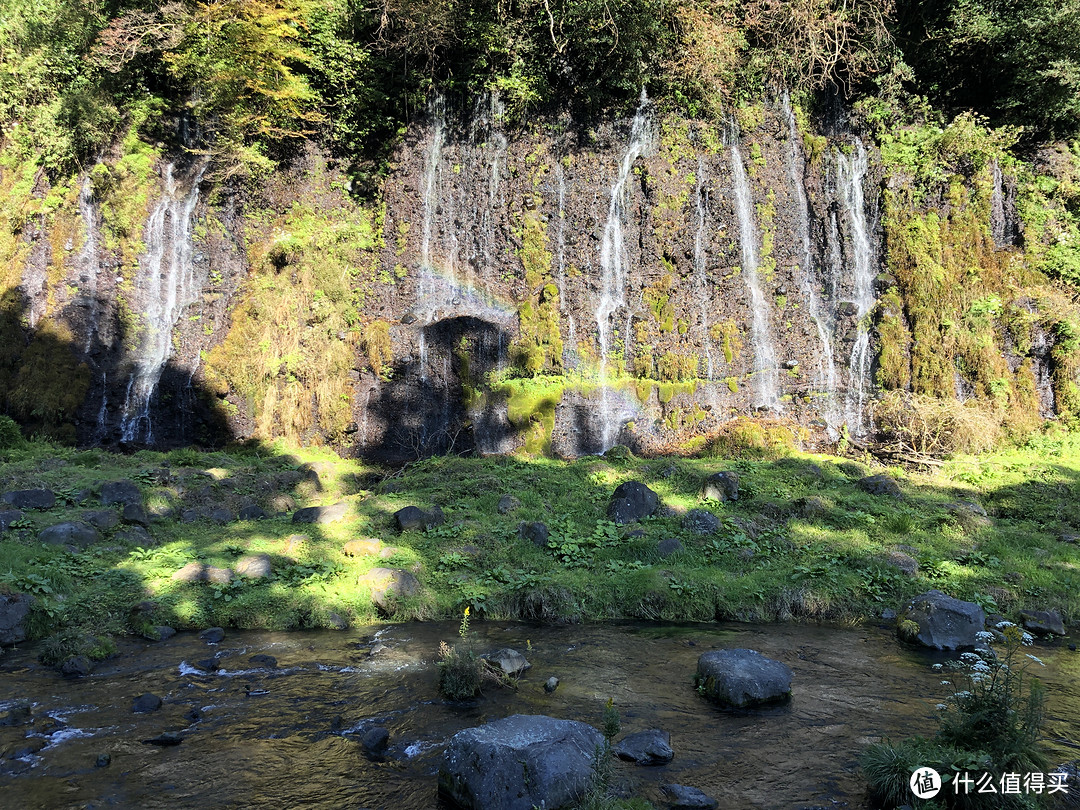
<point x="164" y="285"/>
<point x="851" y="173"/>
<point x="429" y="190"/>
<point x="700" y="248"/>
<point x="766" y="376"/>
<point x="613" y="263"/>
<point x="826" y="366"/>
<point x="88" y="260"/>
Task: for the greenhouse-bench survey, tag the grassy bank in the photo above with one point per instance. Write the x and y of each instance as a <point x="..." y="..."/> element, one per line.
<point x="802" y="542"/>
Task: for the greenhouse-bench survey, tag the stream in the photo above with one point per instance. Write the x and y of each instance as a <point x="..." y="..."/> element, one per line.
<point x="256" y="735"/>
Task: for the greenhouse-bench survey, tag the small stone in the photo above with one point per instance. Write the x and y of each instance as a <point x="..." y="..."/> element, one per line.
<point x="135" y="514"/>
<point x="192" y="572"/>
<point x="508" y="504"/>
<point x="669" y="546"/>
<point x="144" y="704"/>
<point x="536" y="533"/>
<point x="208" y="664"/>
<point x="263" y="660"/>
<point x="904" y="563"/>
<point x="161" y="633"/>
<point x="9" y="516"/>
<point x="1071" y="539"/>
<point x="190" y="516"/>
<point x="103" y="761"/>
<point x="551" y="684"/>
<point x="212" y="635"/>
<point x="135" y="536"/>
<point x="17" y="716"/>
<point x="218" y="576"/>
<point x="618" y="452"/>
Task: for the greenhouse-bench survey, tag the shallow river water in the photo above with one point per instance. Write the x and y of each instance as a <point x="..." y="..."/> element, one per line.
<point x="289" y="736"/>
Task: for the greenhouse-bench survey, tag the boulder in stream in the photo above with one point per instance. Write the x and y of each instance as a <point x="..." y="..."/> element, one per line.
<point x="649" y="747"/>
<point x="1043" y="622"/>
<point x="146" y="703"/>
<point x="937" y="620"/>
<point x="519" y="763"/>
<point x="742" y="679"/>
<point x="511" y="662"/>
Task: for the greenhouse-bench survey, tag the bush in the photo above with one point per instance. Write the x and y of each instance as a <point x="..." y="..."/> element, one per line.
<point x="11" y="437"/>
<point x="934" y="426"/>
<point x="459" y="672"/>
<point x="991" y="724"/>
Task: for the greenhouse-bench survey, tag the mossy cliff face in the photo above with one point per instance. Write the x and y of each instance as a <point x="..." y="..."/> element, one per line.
<point x="769" y="269"/>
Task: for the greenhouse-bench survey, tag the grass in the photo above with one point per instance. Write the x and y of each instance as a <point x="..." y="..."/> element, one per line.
<point x="801" y="543"/>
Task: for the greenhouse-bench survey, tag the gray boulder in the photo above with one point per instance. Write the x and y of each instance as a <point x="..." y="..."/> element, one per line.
<point x="321" y="514"/>
<point x="135" y="514"/>
<point x="144" y="704"/>
<point x="510" y="661"/>
<point x="1043" y="622"/>
<point x="73" y="534"/>
<point x="651" y="747"/>
<point x="254" y="566"/>
<point x="742" y="679"/>
<point x="14" y="608"/>
<point x="520" y="763"/>
<point x="103" y="519"/>
<point x="701" y="521"/>
<point x="253" y="512"/>
<point x="721" y="486"/>
<point x="222" y="515"/>
<point x="936" y="620"/>
<point x="668" y="546"/>
<point x="632" y="501"/>
<point x="536" y="533"/>
<point x="880" y="485"/>
<point x="30" y="499"/>
<point x="121" y="492"/>
<point x="684" y="797"/>
<point x="508" y="504"/>
<point x="76" y="666"/>
<point x="416" y="519"/>
<point x="388" y="584"/>
<point x="7" y="517"/>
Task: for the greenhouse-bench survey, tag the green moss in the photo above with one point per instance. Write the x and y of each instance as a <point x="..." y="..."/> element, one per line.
<point x="539" y="346"/>
<point x="530" y="409"/>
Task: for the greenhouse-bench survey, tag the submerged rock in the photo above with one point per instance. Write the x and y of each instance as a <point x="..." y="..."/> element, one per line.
<point x="146" y="703"/>
<point x="684" y="797"/>
<point x="1043" y="622"/>
<point x="937" y="620"/>
<point x="742" y="679"/>
<point x="519" y="763"/>
<point x="650" y="747"/>
<point x="375" y="742"/>
<point x="632" y="501"/>
<point x="511" y="662"/>
<point x="212" y="635"/>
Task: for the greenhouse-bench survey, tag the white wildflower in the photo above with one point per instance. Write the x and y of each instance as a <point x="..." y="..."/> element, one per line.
<point x="1003" y="625"/>
<point x="984" y="635"/>
<point x="1027" y="639"/>
<point x="936" y="666"/>
<point x="1036" y="660"/>
<point x="946" y="683"/>
<point x="941" y="707"/>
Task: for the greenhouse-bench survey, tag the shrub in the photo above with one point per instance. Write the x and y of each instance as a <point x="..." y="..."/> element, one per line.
<point x="933" y="426"/>
<point x="990" y="724"/>
<point x="459" y="671"/>
<point x="11" y="437"/>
